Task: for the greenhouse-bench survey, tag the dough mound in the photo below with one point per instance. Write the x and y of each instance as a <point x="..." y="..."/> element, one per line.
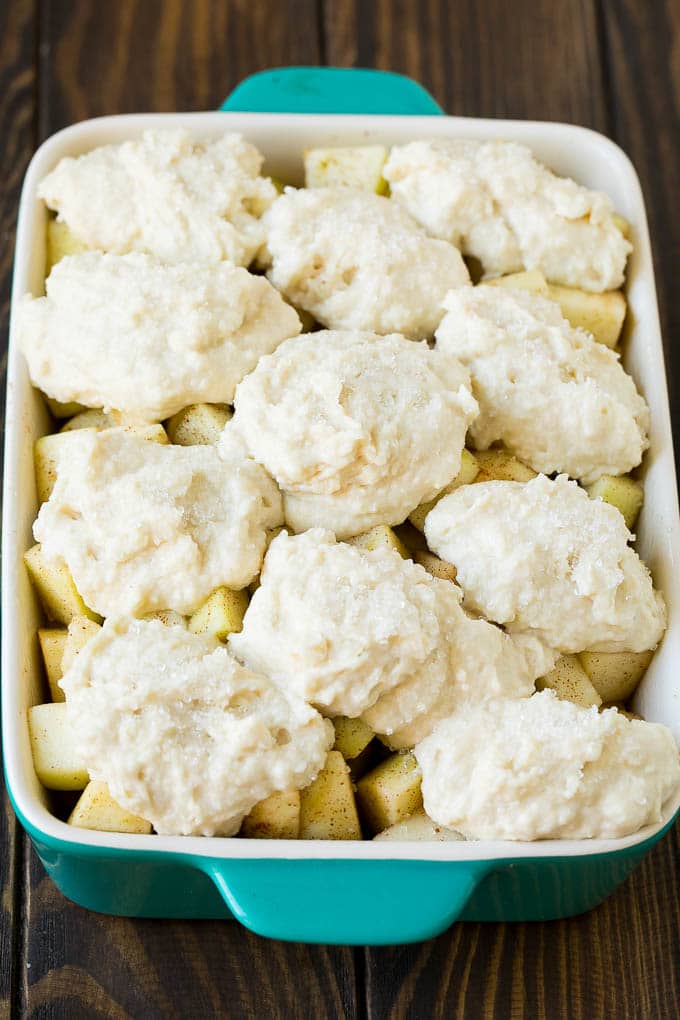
<point x="496" y="202"/>
<point x="357" y="429"/>
<point x="144" y="526"/>
<point x="182" y="734"/>
<point x="541" y="768"/>
<point x="555" y="397"/>
<point x="358" y="261"/>
<point x="542" y="558"/>
<point x="167" y="194"/>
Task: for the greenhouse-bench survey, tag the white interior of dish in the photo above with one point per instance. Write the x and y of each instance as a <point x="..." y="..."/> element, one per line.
<point x="588" y="157"/>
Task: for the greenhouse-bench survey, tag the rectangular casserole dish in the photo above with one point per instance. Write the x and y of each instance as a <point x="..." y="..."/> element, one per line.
<point x="333" y="892"/>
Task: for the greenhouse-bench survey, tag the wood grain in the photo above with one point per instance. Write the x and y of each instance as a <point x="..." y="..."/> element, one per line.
<point x="491" y="59"/>
<point x="17" y="130"/>
<point x="641" y="46"/>
<point x="611" y="65"/>
<point x="544" y="61"/>
<point x="115" y="58"/>
<point x="618" y="962"/>
<point x="162" y="55"/>
<point x="88" y="965"/>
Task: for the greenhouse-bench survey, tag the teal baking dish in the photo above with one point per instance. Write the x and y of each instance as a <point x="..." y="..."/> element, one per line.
<point x="346" y="893"/>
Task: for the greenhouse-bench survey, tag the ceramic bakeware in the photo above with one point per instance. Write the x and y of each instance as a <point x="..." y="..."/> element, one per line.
<point x="333" y="892"/>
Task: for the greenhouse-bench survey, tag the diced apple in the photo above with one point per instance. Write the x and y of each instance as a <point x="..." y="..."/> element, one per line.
<point x="61" y="241"/>
<point x="80" y="630"/>
<point x="529" y="279"/>
<point x="96" y="809"/>
<point x="277" y="817"/>
<point x="615" y="675"/>
<point x="327" y="807"/>
<point x="390" y="792"/>
<point x="379" y="537"/>
<point x="351" y="736"/>
<point x="92" y="418"/>
<point x="59" y="409"/>
<point x="221" y="614"/>
<point x="52" y="643"/>
<point x="622" y="224"/>
<point x="570" y="682"/>
<point x="599" y="314"/>
<point x="442" y="569"/>
<point x="621" y="491"/>
<point x="55" y="587"/>
<point x="500" y="466"/>
<point x="170" y="617"/>
<point x="419" y="826"/>
<point x="358" y="166"/>
<point x="57" y="765"/>
<point x="469" y="469"/>
<point x="198" y="424"/>
<point x="154" y="433"/>
<point x="48" y="449"/>
<point x="45" y="454"/>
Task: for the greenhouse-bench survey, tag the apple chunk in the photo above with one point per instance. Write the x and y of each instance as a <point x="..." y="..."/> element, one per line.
<point x="499" y="465"/>
<point x="52" y="644"/>
<point x="469" y="469"/>
<point x="198" y="424"/>
<point x="276" y="817"/>
<point x="61" y="241"/>
<point x="327" y="806"/>
<point x="351" y="167"/>
<point x="56" y="764"/>
<point x="91" y="418"/>
<point x="420" y="827"/>
<point x="379" y="537"/>
<point x="529" y="279"/>
<point x="80" y="630"/>
<point x="615" y="675"/>
<point x="221" y="614"/>
<point x="390" y="792"/>
<point x="441" y="569"/>
<point x="570" y="682"/>
<point x="620" y="491"/>
<point x="352" y="736"/>
<point x="55" y="587"/>
<point x="96" y="809"/>
<point x="602" y="315"/>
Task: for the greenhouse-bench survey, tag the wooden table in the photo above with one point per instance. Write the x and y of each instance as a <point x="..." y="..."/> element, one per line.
<point x="610" y="65"/>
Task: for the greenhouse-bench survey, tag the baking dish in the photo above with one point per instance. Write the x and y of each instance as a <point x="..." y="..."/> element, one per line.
<point x="361" y="893"/>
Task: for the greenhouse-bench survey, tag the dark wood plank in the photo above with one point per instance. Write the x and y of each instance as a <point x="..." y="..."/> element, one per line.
<point x="115" y="58"/>
<point x="544" y="60"/>
<point x="89" y="965"/>
<point x="620" y="961"/>
<point x="162" y="55"/>
<point x="642" y="66"/>
<point x="494" y="59"/>
<point x="17" y="129"/>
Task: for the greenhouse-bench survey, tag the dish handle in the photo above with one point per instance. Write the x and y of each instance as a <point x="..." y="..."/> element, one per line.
<point x="331" y="90"/>
<point x="348" y="901"/>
